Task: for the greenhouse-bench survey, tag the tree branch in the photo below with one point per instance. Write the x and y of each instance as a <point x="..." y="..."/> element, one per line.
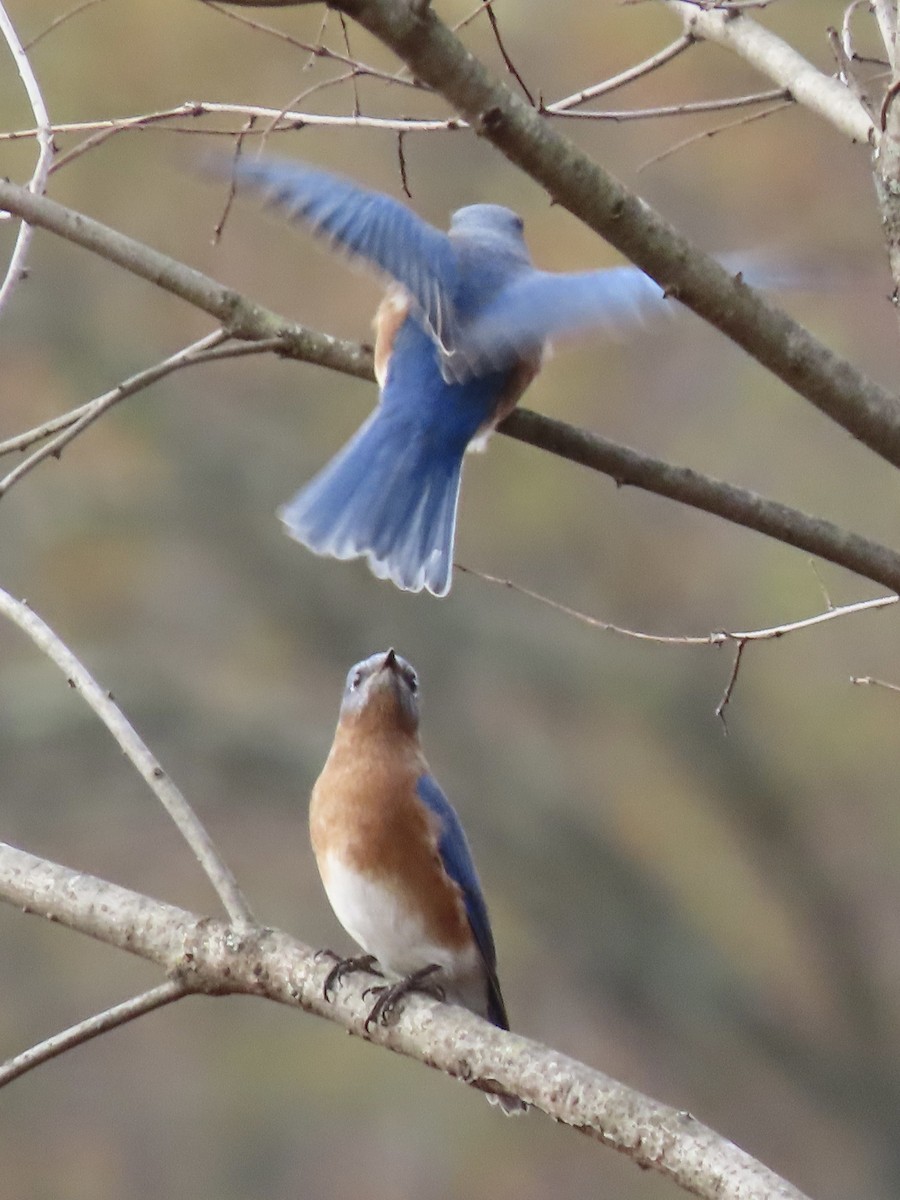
<point x="136" y="751"/>
<point x="742" y="507"/>
<point x="16" y="269"/>
<point x="207" y="956"/>
<point x="241" y="318"/>
<point x="781" y="63"/>
<point x="84" y="1031"/>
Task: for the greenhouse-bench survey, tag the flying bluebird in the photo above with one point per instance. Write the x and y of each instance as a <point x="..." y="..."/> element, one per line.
<point x="393" y="857"/>
<point x="460" y="335"/>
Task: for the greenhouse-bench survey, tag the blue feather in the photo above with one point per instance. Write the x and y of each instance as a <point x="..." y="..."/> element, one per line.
<point x="457" y="860"/>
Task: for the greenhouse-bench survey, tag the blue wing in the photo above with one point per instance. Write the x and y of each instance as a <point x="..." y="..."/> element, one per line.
<point x="457" y="859"/>
<point x="367" y="225"/>
<point x="539" y="305"/>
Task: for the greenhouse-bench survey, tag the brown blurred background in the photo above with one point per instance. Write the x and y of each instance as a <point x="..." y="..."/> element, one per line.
<point x="712" y="919"/>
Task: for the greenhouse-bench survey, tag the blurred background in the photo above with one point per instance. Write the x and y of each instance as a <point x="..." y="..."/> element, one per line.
<point x="711" y="918"/>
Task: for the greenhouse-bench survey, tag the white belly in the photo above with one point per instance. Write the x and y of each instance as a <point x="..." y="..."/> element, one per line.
<point x="383" y="925"/>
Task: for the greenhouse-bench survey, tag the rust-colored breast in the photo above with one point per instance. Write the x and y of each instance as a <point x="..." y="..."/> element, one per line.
<point x="366" y="813"/>
<point x="392" y="312"/>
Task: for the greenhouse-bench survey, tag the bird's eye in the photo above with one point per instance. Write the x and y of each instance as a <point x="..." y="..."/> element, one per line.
<point x="411" y="681"/>
<point x="355" y="680"/>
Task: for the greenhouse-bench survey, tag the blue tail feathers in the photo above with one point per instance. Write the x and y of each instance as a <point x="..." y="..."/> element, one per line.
<point x="390" y="495"/>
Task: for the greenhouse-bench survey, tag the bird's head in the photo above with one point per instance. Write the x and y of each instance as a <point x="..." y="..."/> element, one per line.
<point x="383" y="688"/>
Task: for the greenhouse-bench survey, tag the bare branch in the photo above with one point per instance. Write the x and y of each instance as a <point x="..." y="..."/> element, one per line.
<point x="16" y="269"/>
<point x="240" y="317"/>
<point x="717" y="638"/>
<point x="653" y="63"/>
<point x="742" y="507"/>
<point x="90" y="412"/>
<point x="282" y="120"/>
<point x="136" y="751"/>
<point x="84" y="1031"/>
<point x="782" y="64"/>
<point x="711" y="133"/>
<point x="729" y="686"/>
<point x="504" y="54"/>
<point x="887" y="158"/>
<point x="871" y="681"/>
<point x="689" y="108"/>
<point x="212" y="958"/>
<point x="22" y="441"/>
<point x="886" y="16"/>
<point x="61" y="20"/>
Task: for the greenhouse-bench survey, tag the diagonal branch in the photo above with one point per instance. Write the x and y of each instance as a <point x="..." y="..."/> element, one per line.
<point x="144" y="762"/>
<point x="742" y="507"/>
<point x="240" y="317"/>
<point x="84" y="1031"/>
<point x="780" y="62"/>
<point x="94" y="409"/>
<point x="208" y="956"/>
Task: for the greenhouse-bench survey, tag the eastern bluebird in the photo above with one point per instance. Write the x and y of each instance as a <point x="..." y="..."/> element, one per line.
<point x="393" y="856"/>
<point x="459" y="336"/>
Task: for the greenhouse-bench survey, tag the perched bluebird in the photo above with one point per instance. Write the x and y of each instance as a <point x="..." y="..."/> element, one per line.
<point x="459" y="336"/>
<point x="393" y="856"/>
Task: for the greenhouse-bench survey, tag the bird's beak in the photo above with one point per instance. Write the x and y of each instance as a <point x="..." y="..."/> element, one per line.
<point x="390" y="660"/>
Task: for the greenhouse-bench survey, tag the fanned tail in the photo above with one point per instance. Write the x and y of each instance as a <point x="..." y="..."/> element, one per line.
<point x="390" y="494"/>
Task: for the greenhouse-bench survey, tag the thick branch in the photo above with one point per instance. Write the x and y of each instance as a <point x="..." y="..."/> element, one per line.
<point x="834" y="385"/>
<point x="781" y="63"/>
<point x="240" y="317"/>
<point x="789" y="525"/>
<point x="210" y="957"/>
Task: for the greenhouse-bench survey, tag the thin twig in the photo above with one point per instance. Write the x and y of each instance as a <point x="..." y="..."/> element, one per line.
<point x="873" y="682"/>
<point x="289" y="120"/>
<point x="77" y="1035"/>
<point x="689" y="108"/>
<point x="729" y="686"/>
<point x="653" y="63"/>
<point x="716" y="638"/>
<point x="711" y="133"/>
<point x="60" y="20"/>
<point x="138" y="754"/>
<point x="22" y="441"/>
<point x="38" y="182"/>
<point x="504" y="54"/>
<point x="187" y="357"/>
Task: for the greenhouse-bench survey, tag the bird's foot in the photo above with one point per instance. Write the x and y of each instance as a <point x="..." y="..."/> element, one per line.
<point x="345" y="966"/>
<point x="390" y="995"/>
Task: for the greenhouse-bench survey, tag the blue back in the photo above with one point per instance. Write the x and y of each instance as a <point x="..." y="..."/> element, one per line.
<point x="449" y="414"/>
<point x="457" y="860"/>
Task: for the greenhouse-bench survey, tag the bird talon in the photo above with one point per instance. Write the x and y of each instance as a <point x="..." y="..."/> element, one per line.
<point x="390" y="995"/>
<point x="346" y="966"/>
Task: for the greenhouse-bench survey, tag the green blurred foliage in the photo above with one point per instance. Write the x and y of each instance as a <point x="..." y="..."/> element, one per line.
<point x="712" y="919"/>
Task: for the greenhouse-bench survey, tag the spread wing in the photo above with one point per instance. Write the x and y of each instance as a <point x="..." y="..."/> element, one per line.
<point x="538" y="306"/>
<point x="367" y="225"/>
